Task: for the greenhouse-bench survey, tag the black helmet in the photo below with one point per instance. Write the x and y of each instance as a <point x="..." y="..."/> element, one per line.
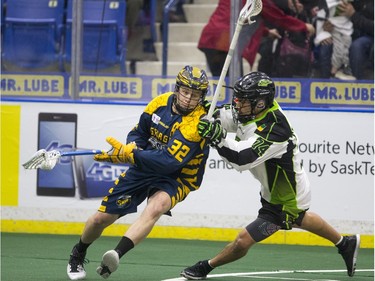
<point x="193" y="78"/>
<point x="254" y="86"/>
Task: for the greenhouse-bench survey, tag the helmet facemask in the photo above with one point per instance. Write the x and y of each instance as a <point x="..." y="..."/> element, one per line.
<point x="187" y="99"/>
<point x="245" y="110"/>
<point x="191" y="89"/>
<point x="253" y="93"/>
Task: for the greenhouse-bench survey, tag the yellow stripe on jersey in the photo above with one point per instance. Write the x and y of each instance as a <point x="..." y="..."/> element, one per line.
<point x="173" y="202"/>
<point x="180" y="193"/>
<point x="186" y="190"/>
<point x="190" y="172"/>
<point x="196" y="161"/>
<point x="203" y="143"/>
<point x="183" y="191"/>
<point x="157" y="102"/>
<point x="192" y="182"/>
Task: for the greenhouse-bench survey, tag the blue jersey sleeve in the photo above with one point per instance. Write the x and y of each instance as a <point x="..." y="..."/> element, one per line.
<point x="170" y="158"/>
<point x="140" y="134"/>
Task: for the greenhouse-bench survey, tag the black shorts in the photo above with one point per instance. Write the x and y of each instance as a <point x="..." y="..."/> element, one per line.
<point x="272" y="218"/>
<point x="275" y="214"/>
<point x="133" y="187"/>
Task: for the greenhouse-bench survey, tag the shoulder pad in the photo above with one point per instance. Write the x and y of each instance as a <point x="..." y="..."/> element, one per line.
<point x="189" y="124"/>
<point x="157" y="102"/>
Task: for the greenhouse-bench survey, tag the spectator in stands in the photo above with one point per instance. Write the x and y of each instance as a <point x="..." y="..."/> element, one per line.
<point x="323" y="54"/>
<point x="176" y="13"/>
<point x="140" y="38"/>
<point x="267" y="46"/>
<point x="288" y="65"/>
<point x="215" y="38"/>
<point x="361" y="52"/>
<point x="339" y="37"/>
<point x="133" y="9"/>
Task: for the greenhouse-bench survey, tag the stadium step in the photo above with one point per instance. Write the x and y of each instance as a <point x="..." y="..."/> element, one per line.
<point x="155" y="67"/>
<point x="182" y="32"/>
<point x="182" y="41"/>
<point x="198" y="12"/>
<point x="180" y="51"/>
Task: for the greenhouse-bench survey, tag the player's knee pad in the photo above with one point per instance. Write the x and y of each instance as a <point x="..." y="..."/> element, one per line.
<point x="261" y="229"/>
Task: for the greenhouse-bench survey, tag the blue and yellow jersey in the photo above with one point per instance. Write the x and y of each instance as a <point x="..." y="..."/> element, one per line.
<point x="169" y="145"/>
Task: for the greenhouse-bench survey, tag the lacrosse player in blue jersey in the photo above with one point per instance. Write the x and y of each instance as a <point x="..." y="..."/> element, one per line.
<point x="267" y="146"/>
<point x="167" y="157"/>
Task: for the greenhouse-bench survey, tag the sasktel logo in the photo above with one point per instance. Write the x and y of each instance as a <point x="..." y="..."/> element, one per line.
<point x="105" y="171"/>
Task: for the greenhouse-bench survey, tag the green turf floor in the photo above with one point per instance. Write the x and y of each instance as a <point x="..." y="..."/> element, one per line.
<point x="26" y="257"/>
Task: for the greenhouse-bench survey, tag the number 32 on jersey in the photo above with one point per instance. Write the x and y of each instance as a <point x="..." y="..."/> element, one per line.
<point x="178" y="150"/>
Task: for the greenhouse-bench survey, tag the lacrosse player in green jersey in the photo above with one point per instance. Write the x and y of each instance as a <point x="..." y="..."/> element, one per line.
<point x="167" y="157"/>
<point x="267" y="146"/>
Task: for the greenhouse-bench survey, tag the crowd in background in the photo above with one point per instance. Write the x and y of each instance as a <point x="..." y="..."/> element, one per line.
<point x="299" y="38"/>
<point x="291" y="38"/>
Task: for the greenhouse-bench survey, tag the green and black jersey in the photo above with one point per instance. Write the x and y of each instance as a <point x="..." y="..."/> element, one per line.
<point x="268" y="148"/>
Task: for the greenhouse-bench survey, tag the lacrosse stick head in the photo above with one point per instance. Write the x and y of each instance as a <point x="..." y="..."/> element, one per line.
<point x="42" y="159"/>
<point x="251" y="9"/>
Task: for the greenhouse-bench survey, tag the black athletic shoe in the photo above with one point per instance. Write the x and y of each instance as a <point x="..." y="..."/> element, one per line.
<point x="198" y="271"/>
<point x="75" y="269"/>
<point x="349" y="251"/>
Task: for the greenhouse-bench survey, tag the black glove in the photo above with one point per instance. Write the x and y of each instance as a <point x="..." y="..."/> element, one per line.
<point x="211" y="131"/>
<point x="206" y="104"/>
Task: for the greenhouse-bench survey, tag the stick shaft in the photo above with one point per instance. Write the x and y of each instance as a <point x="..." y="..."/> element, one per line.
<point x="224" y="71"/>
<point x="80" y="152"/>
<point x="245" y="14"/>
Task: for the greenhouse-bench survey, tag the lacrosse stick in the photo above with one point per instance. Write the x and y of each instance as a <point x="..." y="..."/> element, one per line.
<point x="251" y="9"/>
<point x="46" y="160"/>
